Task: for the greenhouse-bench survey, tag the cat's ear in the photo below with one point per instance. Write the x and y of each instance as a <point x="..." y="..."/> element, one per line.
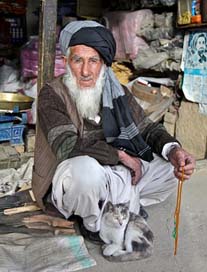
<point x="109" y="206"/>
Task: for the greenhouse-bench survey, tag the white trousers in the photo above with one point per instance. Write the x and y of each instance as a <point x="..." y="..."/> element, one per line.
<point x="80" y="183"/>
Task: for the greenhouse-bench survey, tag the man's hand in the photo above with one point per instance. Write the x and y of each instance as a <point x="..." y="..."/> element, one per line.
<point x="180" y="158"/>
<point x="133" y="163"/>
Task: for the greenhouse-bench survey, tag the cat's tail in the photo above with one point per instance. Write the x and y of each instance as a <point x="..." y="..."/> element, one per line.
<point x="133" y="256"/>
<point x="141" y="249"/>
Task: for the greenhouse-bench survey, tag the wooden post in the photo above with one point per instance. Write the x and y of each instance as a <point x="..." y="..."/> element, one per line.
<point x="47" y="41"/>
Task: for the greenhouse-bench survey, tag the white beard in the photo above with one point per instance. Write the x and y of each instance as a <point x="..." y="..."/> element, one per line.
<point x="87" y="99"/>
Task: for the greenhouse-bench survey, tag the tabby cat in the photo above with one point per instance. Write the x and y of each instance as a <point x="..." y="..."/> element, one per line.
<point x="126" y="235"/>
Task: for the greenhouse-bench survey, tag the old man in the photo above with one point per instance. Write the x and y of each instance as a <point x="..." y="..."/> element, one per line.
<point x="94" y="142"/>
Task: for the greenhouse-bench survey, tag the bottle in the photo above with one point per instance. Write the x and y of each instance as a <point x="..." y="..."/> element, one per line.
<point x="184" y="12"/>
<point x="196" y="12"/>
<point x="204" y="11"/>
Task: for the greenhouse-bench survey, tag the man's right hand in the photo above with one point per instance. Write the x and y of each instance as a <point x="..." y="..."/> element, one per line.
<point x="133" y="163"/>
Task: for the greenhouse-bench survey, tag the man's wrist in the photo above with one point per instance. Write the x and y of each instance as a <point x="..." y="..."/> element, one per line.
<point x="167" y="148"/>
<point x="121" y="155"/>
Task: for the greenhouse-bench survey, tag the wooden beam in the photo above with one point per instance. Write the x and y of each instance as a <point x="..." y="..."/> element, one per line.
<point x="47" y="41"/>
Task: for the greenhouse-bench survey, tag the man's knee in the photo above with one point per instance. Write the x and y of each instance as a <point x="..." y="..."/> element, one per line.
<point x="78" y="182"/>
<point x="86" y="172"/>
<point x="158" y="181"/>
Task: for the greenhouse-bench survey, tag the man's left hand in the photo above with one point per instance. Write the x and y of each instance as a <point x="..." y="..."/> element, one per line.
<point x="181" y="159"/>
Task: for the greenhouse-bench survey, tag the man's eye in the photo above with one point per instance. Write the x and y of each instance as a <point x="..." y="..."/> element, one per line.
<point x="77" y="60"/>
<point x="94" y="60"/>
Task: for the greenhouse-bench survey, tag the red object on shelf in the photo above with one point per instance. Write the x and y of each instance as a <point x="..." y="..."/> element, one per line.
<point x="196" y="19"/>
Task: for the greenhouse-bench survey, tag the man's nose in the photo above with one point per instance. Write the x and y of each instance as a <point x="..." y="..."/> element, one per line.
<point x="85" y="69"/>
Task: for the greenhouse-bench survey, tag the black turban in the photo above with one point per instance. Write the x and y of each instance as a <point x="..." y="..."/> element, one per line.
<point x="99" y="38"/>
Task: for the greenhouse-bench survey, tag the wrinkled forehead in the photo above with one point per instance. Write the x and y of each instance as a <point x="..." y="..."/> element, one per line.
<point x="84" y="51"/>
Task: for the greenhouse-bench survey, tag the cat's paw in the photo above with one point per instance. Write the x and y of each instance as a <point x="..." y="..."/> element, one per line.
<point x="106" y="250"/>
<point x="110" y="250"/>
<point x="119" y="252"/>
<point x="104" y="246"/>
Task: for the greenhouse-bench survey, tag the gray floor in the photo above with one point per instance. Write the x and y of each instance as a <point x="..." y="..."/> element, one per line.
<point x="192" y="245"/>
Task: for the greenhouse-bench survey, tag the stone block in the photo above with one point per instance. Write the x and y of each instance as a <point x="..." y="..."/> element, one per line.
<point x="170" y="118"/>
<point x="3" y="155"/>
<point x="170" y="128"/>
<point x="9" y="153"/>
<point x="10" y="150"/>
<point x="191" y="129"/>
<point x="9" y="157"/>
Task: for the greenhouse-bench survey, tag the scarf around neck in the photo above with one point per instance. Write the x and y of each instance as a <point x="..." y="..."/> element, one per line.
<point x="119" y="127"/>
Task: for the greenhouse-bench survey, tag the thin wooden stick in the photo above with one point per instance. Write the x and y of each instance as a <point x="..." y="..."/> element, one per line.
<point x="177" y="211"/>
<point x="26" y="208"/>
<point x="49" y="220"/>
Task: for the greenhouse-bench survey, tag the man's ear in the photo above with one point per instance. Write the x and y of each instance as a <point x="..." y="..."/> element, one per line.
<point x="64" y="60"/>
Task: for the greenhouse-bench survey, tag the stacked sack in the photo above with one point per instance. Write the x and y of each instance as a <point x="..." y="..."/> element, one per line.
<point x="165" y="46"/>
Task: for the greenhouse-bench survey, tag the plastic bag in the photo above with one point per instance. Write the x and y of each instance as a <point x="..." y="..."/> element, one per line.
<point x="124" y="26"/>
<point x="9" y="79"/>
<point x="29" y="59"/>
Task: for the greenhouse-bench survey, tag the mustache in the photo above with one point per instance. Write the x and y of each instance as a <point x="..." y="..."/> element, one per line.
<point x="86" y="78"/>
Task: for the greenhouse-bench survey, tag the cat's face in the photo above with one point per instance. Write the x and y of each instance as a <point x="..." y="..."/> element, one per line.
<point x="117" y="214"/>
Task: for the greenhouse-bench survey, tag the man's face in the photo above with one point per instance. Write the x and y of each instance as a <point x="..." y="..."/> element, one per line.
<point x="85" y="64"/>
<point x="201" y="44"/>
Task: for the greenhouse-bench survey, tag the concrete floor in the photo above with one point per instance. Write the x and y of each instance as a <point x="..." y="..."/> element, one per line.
<point x="192" y="245"/>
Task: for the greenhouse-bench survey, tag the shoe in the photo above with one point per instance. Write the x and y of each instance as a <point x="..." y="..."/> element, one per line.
<point x="143" y="213"/>
<point x="89" y="235"/>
